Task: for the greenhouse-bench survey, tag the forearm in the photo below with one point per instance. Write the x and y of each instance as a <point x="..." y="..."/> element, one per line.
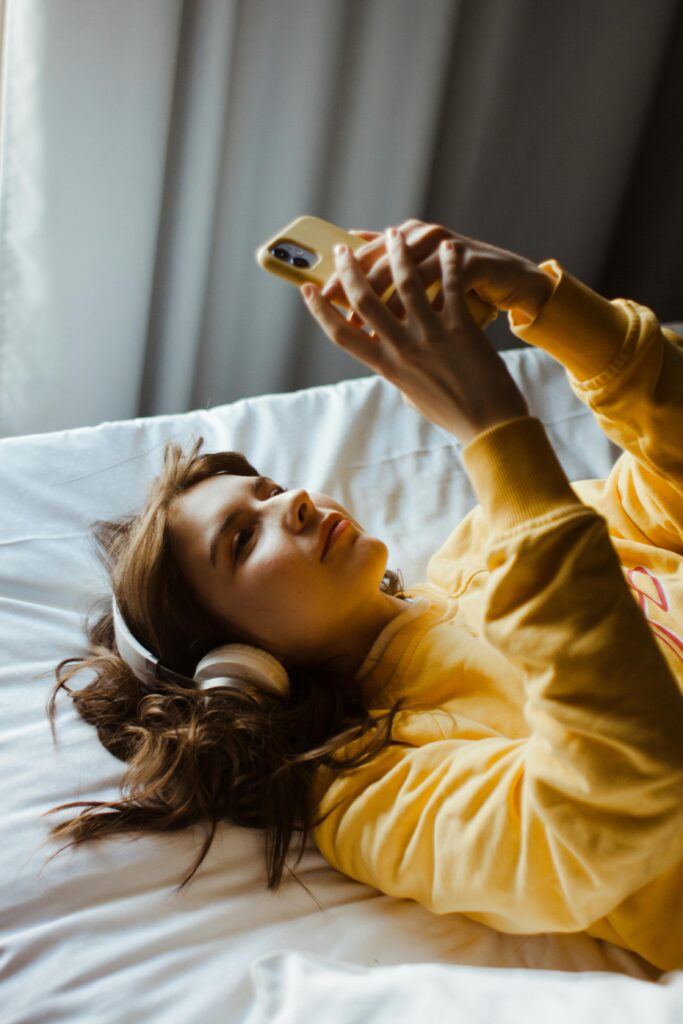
<point x="553" y="566"/>
<point x="577" y="326"/>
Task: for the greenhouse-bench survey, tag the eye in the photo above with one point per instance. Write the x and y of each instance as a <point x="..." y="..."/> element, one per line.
<point x="239" y="542"/>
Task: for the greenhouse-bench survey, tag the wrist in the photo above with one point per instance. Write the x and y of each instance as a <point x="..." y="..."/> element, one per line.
<point x="468" y="434"/>
<point x="541" y="287"/>
<point x="516" y="474"/>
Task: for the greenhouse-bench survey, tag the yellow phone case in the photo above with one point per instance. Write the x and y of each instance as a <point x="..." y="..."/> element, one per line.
<point x="318" y="237"/>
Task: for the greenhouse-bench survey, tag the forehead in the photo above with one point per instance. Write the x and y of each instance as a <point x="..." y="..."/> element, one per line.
<point x="198" y="506"/>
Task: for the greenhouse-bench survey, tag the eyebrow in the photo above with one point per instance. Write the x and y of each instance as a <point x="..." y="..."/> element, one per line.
<point x="230" y="520"/>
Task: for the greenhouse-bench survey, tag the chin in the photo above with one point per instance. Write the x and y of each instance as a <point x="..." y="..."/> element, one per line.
<point x="382" y="552"/>
<point x="378" y="547"/>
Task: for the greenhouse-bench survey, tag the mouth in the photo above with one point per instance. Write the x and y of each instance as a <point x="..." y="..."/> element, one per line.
<point x="328" y="529"/>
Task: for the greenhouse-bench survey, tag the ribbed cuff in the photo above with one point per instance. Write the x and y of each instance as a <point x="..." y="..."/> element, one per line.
<point x="576" y="325"/>
<point x="516" y="474"/>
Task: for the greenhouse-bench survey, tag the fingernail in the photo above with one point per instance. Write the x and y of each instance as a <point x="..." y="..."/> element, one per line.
<point x="308" y="291"/>
<point x="340" y="250"/>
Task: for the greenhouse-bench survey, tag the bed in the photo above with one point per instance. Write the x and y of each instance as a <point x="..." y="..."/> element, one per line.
<point x="98" y="935"/>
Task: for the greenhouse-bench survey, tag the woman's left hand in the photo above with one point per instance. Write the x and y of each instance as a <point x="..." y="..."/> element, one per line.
<point x="444" y="365"/>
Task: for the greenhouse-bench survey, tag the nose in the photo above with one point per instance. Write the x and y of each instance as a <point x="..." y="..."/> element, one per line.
<point x="300" y="509"/>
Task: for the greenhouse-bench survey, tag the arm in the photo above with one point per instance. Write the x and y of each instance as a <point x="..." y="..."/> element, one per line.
<point x="629" y="371"/>
<point x="554" y="830"/>
<point x="551" y="832"/>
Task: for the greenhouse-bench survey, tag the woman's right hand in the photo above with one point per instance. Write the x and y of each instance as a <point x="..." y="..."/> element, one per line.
<point x="442" y="362"/>
<point x="500" y="277"/>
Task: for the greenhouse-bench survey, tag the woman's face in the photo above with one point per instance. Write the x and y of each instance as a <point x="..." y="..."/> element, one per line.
<point x="266" y="574"/>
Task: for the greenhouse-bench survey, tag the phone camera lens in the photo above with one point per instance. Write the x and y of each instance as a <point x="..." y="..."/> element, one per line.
<point x="300" y="261"/>
<point x="281" y="254"/>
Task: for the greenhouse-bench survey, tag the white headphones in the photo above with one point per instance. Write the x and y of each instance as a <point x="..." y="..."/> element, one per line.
<point x="229" y="665"/>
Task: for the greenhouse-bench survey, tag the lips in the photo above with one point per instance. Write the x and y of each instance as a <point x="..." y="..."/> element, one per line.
<point x="327" y="528"/>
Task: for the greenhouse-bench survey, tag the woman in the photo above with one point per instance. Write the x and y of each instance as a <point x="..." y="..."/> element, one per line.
<point x="504" y="740"/>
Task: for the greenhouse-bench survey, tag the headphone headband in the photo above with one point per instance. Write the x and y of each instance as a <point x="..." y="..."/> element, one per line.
<point x="137" y="657"/>
<point x="229" y="665"/>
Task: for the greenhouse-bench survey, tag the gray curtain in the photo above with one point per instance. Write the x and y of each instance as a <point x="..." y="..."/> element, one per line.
<point x="148" y="148"/>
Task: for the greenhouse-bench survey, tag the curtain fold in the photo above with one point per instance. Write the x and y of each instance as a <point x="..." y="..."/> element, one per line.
<point x="192" y="189"/>
<point x="147" y="150"/>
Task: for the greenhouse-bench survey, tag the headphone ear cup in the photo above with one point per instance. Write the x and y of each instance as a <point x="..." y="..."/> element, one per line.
<point x="243" y="663"/>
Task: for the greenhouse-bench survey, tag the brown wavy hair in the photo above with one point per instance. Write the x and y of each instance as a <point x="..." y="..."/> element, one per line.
<point x="240" y="756"/>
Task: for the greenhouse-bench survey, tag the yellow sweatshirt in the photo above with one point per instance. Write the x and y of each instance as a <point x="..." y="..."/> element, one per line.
<point x="547" y="794"/>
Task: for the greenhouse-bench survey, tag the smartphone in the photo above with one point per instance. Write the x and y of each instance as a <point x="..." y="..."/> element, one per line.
<point x="304" y="251"/>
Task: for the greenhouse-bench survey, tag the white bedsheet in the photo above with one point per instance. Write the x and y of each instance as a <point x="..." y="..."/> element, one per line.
<point x="292" y="987"/>
<point x="98" y="935"/>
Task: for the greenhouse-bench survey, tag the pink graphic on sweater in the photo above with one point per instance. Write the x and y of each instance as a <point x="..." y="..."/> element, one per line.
<point x="650" y="588"/>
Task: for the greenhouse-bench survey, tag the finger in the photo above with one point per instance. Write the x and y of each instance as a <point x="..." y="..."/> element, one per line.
<point x="332" y="288"/>
<point x="422" y="240"/>
<point x="354" y="319"/>
<point x="437" y="303"/>
<point x="409" y="224"/>
<point x="430" y="273"/>
<point x="366" y="256"/>
<point x="394" y="304"/>
<point x="455" y="308"/>
<point x="408" y="282"/>
<point x="348" y="337"/>
<point x="374" y="256"/>
<point x="363" y="299"/>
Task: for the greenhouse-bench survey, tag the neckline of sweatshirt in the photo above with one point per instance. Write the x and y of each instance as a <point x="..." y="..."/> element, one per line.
<point x="391" y="644"/>
<point x="397" y="641"/>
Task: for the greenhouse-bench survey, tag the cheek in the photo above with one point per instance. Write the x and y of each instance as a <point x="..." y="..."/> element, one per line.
<point x="282" y="602"/>
<point x="279" y="576"/>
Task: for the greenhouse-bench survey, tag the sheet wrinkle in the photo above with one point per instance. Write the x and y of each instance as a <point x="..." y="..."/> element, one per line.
<point x="83" y="535"/>
<point x="120" y="462"/>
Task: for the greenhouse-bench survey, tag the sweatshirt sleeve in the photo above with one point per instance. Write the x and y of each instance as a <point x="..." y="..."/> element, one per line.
<point x="628" y="370"/>
<point x="552" y="831"/>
